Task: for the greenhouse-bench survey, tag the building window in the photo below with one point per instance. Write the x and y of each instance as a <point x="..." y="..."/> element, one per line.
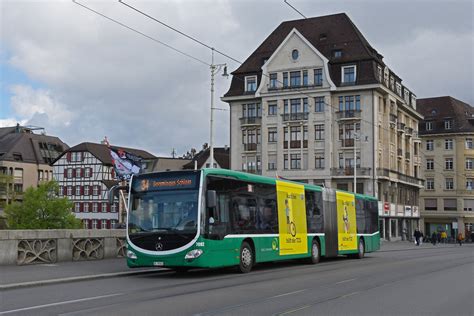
<point x="468" y="205"/>
<point x="87" y="190"/>
<point x="94" y="224"/>
<point x="85" y="224"/>
<point x="285" y="79"/>
<point x="319" y="132"/>
<point x="469" y="163"/>
<point x="379" y="73"/>
<point x="272" y="109"/>
<point x="295" y="54"/>
<point x="450" y="205"/>
<point x="77" y="207"/>
<point x="104" y="207"/>
<point x="69" y="173"/>
<point x="429" y="126"/>
<point x="429" y="164"/>
<point x="429" y="144"/>
<point x="95" y="207"/>
<point x="272" y="135"/>
<point x="448" y="144"/>
<point x="285" y="162"/>
<point x="295" y="78"/>
<point x="318" y="77"/>
<point x="469" y="143"/>
<point x="399" y="89"/>
<point x="448" y="163"/>
<point x="349" y="74"/>
<point x="295" y="161"/>
<point x="449" y="184"/>
<point x="88" y="172"/>
<point x="305" y="77"/>
<point x="448" y="124"/>
<point x="319" y="162"/>
<point x="86" y="207"/>
<point x="431" y="204"/>
<point x="337" y="53"/>
<point x="305" y="105"/>
<point x="430" y="184"/>
<point x="78" y="190"/>
<point x="113" y="208"/>
<point x="251" y="84"/>
<point x="273" y="80"/>
<point x="469" y="184"/>
<point x="319" y="104"/>
<point x="104" y="223"/>
<point x="69" y="190"/>
<point x="95" y="190"/>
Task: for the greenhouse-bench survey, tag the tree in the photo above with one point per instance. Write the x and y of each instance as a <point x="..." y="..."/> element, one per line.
<point x="42" y="208"/>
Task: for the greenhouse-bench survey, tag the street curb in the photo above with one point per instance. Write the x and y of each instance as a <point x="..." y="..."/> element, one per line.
<point x="79" y="278"/>
<point x="424" y="248"/>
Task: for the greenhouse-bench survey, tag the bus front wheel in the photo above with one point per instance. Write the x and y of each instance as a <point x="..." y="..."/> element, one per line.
<point x="246" y="258"/>
<point x="315" y="252"/>
<point x="360" y="250"/>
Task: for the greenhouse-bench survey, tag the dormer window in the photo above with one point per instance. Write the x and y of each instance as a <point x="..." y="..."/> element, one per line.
<point x="349" y="74"/>
<point x="251" y="84"/>
<point x="448" y="124"/>
<point x="337" y="53"/>
<point x="379" y="73"/>
<point x="295" y="78"/>
<point x="429" y="126"/>
<point x="318" y="77"/>
<point x="399" y="89"/>
<point x="392" y="83"/>
<point x="273" y="81"/>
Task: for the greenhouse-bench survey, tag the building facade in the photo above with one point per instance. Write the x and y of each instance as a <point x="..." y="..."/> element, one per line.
<point x="26" y="154"/>
<point x="85" y="173"/>
<point x="316" y="103"/>
<point x="447" y="132"/>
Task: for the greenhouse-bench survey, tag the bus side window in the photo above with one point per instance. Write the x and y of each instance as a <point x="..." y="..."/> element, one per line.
<point x="244" y="211"/>
<point x="319" y="211"/>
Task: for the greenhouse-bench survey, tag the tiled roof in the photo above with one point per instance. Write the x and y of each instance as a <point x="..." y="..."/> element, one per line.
<point x="439" y="109"/>
<point x="102" y="152"/>
<point x="326" y="34"/>
<point x="221" y="156"/>
<point x="22" y="145"/>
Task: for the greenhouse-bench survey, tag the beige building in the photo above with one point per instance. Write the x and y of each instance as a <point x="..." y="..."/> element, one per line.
<point x="316" y="103"/>
<point x="447" y="202"/>
<point x="26" y="154"/>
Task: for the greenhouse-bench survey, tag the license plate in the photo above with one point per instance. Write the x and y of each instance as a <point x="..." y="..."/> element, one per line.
<point x="158" y="263"/>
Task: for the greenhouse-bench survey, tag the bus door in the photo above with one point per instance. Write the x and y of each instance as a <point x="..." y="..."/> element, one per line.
<point x="330" y="222"/>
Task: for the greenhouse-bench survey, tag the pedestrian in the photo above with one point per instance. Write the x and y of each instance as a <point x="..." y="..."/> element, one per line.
<point x="438" y="237"/>
<point x="460" y="238"/>
<point x="434" y="237"/>
<point x="417" y="236"/>
<point x="444" y="236"/>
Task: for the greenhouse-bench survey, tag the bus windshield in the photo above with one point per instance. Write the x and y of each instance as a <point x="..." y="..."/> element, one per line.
<point x="163" y="212"/>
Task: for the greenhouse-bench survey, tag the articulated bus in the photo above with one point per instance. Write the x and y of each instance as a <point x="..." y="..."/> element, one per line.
<point x="214" y="218"/>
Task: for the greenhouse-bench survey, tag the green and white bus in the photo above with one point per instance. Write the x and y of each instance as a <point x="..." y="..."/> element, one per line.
<point x="214" y="218"/>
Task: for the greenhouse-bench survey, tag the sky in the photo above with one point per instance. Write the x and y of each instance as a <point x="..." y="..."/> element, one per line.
<point x="83" y="77"/>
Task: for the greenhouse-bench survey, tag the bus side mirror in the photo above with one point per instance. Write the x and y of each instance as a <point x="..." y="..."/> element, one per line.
<point x="211" y="198"/>
<point x="114" y="192"/>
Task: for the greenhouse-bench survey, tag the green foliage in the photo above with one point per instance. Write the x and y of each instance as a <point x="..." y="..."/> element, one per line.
<point x="42" y="209"/>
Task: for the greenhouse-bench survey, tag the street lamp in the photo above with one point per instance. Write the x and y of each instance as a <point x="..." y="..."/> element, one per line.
<point x="215" y="68"/>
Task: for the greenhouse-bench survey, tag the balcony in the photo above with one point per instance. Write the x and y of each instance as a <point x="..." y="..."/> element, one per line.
<point x="252" y="120"/>
<point x="250" y="147"/>
<point x="408" y="131"/>
<point x="296" y="144"/>
<point x="348" y="115"/>
<point x="401" y="127"/>
<point x="349" y="171"/>
<point x="299" y="116"/>
<point x="397" y="175"/>
<point x="348" y="142"/>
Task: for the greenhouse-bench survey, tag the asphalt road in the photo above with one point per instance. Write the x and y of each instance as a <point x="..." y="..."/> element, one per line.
<point x="424" y="281"/>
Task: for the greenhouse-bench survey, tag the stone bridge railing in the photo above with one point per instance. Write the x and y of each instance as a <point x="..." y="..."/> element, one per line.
<point x="23" y="247"/>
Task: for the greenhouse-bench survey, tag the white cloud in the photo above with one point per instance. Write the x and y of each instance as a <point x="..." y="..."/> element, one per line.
<point x="8" y="122"/>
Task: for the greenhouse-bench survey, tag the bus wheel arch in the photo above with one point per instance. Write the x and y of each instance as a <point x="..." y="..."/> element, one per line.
<point x="246" y="255"/>
<point x="360" y="248"/>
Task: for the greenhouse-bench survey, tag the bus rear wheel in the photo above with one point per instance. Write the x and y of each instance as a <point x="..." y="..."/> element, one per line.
<point x="315" y="252"/>
<point x="246" y="258"/>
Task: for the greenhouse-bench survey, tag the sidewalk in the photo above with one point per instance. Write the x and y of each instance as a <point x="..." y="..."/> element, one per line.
<point x="409" y="245"/>
<point x="40" y="274"/>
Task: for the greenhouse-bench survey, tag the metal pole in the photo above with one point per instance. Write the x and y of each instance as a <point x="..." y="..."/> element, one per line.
<point x="355" y="161"/>
<point x="211" y="145"/>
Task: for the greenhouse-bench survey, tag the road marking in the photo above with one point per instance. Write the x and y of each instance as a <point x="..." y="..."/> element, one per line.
<point x="347" y="295"/>
<point x="59" y="303"/>
<point x="294" y="310"/>
<point x="290" y="293"/>
<point x="340" y="282"/>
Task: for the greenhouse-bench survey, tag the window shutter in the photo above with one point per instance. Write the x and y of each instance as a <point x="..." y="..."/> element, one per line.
<point x="90" y="172"/>
<point x="108" y="224"/>
<point x="81" y="209"/>
<point x="89" y="223"/>
<point x="73" y="173"/>
<point x="99" y="189"/>
<point x="82" y="190"/>
<point x="99" y="207"/>
<point x="65" y="173"/>
<point x="68" y="156"/>
<point x="82" y="172"/>
<point x="73" y="190"/>
<point x="112" y="173"/>
<point x="64" y="190"/>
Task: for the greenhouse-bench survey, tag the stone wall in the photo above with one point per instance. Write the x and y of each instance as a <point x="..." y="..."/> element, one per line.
<point x="23" y="247"/>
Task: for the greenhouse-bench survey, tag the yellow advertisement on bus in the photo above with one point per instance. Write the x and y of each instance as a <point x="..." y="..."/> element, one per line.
<point x="291" y="218"/>
<point x="346" y="221"/>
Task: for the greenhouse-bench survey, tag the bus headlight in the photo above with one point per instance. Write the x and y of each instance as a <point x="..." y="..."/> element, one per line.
<point x="193" y="254"/>
<point x="131" y="255"/>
